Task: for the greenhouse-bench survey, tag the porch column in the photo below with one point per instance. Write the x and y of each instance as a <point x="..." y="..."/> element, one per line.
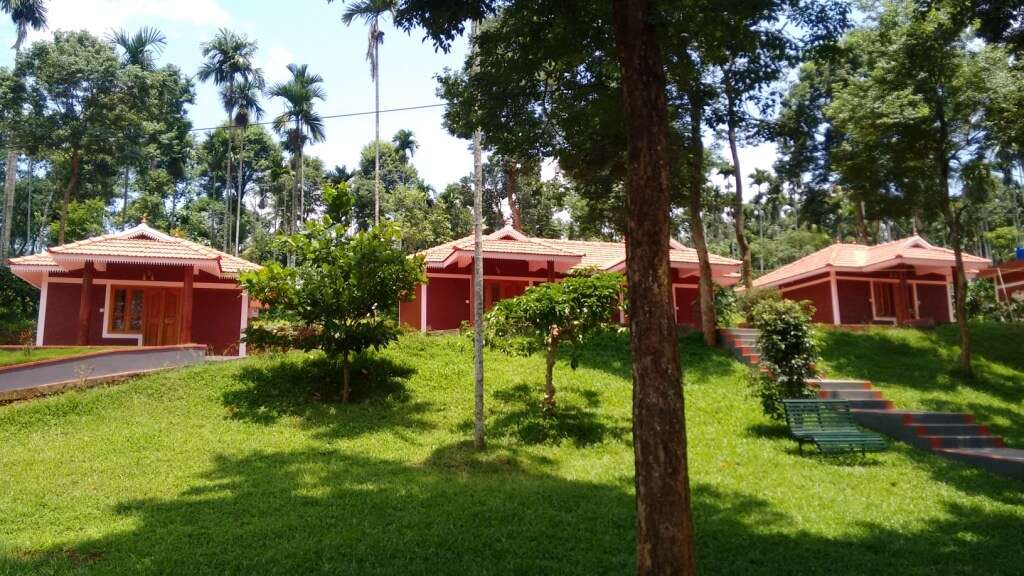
<point x="901" y="301"/>
<point x="186" y="307"/>
<point x="85" y="305"/>
<point x="551" y="270"/>
<point x="423" y="308"/>
<point x="834" y="289"/>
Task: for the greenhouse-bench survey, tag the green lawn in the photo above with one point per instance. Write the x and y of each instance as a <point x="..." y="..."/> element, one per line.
<point x="237" y="468"/>
<point x="917" y="369"/>
<point x="10" y="356"/>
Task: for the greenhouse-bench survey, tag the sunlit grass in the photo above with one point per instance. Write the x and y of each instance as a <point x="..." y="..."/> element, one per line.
<point x="241" y="468"/>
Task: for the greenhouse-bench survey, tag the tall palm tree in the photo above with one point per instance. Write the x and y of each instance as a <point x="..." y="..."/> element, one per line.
<point x="405" y="144"/>
<point x="299" y="123"/>
<point x="370" y="12"/>
<point x="139" y="49"/>
<point x="229" y="60"/>
<point x="245" y="100"/>
<point x="24" y="14"/>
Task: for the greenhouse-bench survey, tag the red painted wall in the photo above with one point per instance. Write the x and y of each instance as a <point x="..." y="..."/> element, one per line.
<point x="1009" y="278"/>
<point x="932" y="302"/>
<point x="216" y="319"/>
<point x="687" y="300"/>
<point x="409" y="312"/>
<point x="820" y="296"/>
<point x="854" y="302"/>
<point x="447" y="303"/>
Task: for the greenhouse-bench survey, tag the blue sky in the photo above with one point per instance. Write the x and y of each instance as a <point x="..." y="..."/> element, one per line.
<point x="314" y="36"/>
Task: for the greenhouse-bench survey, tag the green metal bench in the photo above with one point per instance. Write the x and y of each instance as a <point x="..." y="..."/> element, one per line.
<point x="830" y="426"/>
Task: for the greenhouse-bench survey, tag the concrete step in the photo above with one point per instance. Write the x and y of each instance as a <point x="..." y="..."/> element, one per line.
<point x="875" y="404"/>
<point x="921" y="417"/>
<point x="987" y="441"/>
<point x="1004" y="461"/>
<point x="950" y="429"/>
<point x="754" y="331"/>
<point x="834" y="384"/>
<point x="845" y="394"/>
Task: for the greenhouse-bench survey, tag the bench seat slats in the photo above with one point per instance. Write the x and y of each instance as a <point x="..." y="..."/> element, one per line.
<point x="829" y="424"/>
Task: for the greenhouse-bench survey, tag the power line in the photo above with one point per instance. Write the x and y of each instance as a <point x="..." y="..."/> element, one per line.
<point x="330" y="116"/>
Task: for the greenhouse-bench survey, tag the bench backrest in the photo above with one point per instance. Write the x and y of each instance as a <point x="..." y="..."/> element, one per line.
<point x="809" y="416"/>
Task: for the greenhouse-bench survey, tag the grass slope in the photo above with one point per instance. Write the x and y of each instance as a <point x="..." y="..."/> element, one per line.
<point x="235" y="468"/>
<point x="918" y="369"/>
<point x="18" y="356"/>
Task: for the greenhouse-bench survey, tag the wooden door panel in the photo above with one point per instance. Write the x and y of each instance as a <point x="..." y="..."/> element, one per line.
<point x="171" y="325"/>
<point x="152" y="312"/>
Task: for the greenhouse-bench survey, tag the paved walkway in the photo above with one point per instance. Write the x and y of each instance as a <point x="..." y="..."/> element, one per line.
<point x="48" y="376"/>
<point x="954" y="435"/>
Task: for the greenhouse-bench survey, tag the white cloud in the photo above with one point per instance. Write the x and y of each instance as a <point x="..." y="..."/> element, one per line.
<point x="101" y="16"/>
<point x="275" y="65"/>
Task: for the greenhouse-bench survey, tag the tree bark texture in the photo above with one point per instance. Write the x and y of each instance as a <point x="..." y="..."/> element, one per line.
<point x="708" y="316"/>
<point x="738" y="217"/>
<point x="10" y="177"/>
<point x="549" y="368"/>
<point x="664" y="527"/>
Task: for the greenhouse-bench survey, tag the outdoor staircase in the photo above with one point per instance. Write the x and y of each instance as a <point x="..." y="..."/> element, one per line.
<point x="954" y="435"/>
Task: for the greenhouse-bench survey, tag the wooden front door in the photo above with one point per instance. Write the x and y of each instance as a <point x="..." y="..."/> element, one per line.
<point x="162" y="315"/>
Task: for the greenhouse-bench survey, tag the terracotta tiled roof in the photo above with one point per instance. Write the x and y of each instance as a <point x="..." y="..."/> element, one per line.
<point x="139" y="244"/>
<point x="602" y="255"/>
<point x="853" y="257"/>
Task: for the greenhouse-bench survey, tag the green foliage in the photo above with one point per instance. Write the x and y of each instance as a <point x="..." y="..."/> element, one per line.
<point x="338" y="291"/>
<point x="747" y="300"/>
<point x="84" y="219"/>
<point x="788" y="351"/>
<point x="549" y="314"/>
<point x="982" y="303"/>
<point x="19" y="305"/>
<point x="726" y="306"/>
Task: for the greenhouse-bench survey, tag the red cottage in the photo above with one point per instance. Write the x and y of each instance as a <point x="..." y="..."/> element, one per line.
<point x="140" y="287"/>
<point x="514" y="261"/>
<point x="901" y="282"/>
<point x="1008" y="278"/>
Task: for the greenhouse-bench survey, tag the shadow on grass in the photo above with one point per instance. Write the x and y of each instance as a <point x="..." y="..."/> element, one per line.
<point x="330" y="512"/>
<point x="609" y="351"/>
<point x="520" y="415"/>
<point x="307" y="387"/>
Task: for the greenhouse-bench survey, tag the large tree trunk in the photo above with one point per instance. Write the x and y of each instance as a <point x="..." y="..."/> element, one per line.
<point x="737" y="208"/>
<point x="479" y="439"/>
<point x="10" y="177"/>
<point x="238" y="194"/>
<point x="953" y="220"/>
<point x="69" y="191"/>
<point x="960" y="294"/>
<point x="708" y="317"/>
<point x="511" y="182"/>
<point x="376" y="134"/>
<point x="664" y="526"/>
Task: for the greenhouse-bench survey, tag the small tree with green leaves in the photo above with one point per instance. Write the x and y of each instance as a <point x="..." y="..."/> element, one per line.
<point x="788" y="351"/>
<point x="340" y="290"/>
<point x="551" y="314"/>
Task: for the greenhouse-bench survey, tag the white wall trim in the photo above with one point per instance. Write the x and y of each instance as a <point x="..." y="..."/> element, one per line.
<point x="106" y="321"/>
<point x="834" y="287"/>
<point x="423" y="308"/>
<point x="887" y="280"/>
<point x="486" y="277"/>
<point x="41" y="320"/>
<point x="244" y="323"/>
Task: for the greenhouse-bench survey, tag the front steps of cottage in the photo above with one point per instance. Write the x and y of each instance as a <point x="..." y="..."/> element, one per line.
<point x="953" y="435"/>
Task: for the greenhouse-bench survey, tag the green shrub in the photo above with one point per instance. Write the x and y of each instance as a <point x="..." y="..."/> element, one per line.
<point x="788" y="352"/>
<point x="982" y="303"/>
<point x="19" y="305"/>
<point x="726" y="308"/>
<point x="747" y="300"/>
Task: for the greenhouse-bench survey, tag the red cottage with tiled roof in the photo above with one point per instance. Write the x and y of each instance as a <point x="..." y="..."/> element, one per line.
<point x="140" y="287"/>
<point x="900" y="282"/>
<point x="513" y="262"/>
